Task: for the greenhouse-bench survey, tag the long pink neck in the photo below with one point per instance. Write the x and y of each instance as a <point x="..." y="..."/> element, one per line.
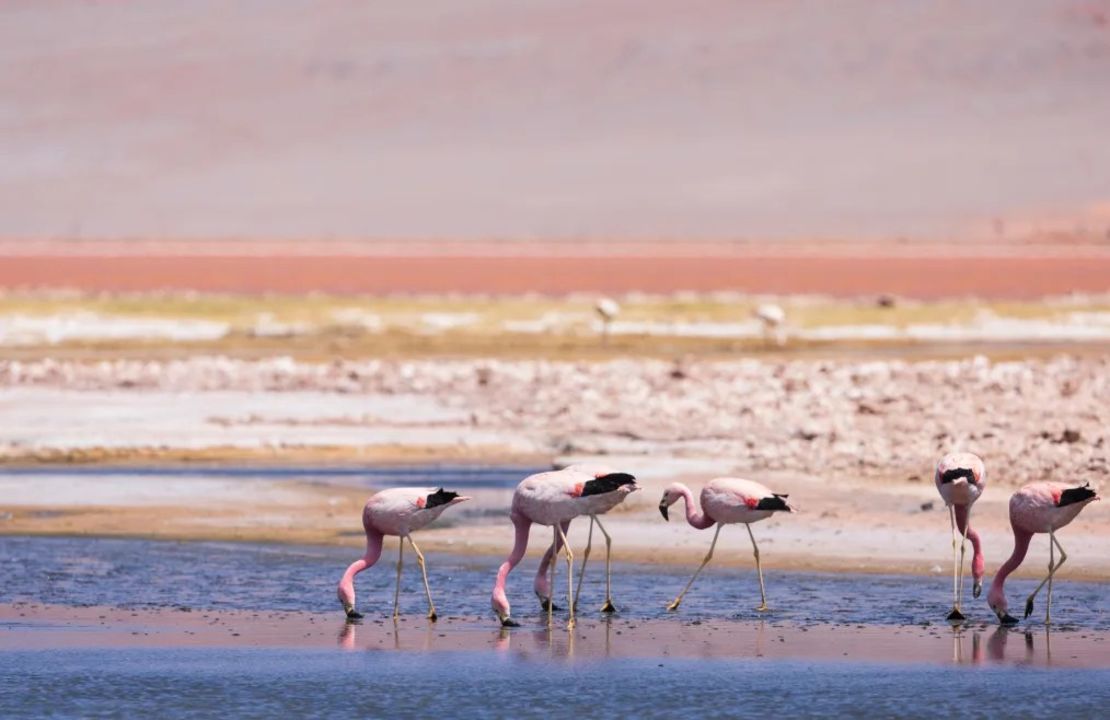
<point x="977" y="563"/>
<point x="1021" y="547"/>
<point x="520" y="544"/>
<point x="695" y="517"/>
<point x="346" y="590"/>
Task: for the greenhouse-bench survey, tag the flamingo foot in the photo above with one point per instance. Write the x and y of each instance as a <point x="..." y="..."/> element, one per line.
<point x="955" y="616"/>
<point x="1029" y="607"/>
<point x="674" y="605"/>
<point x="608" y="607"/>
<point x="432" y="615"/>
<point x="977" y="589"/>
<point x="762" y="608"/>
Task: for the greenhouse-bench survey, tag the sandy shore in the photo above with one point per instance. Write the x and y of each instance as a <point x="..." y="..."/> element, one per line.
<point x="33" y="626"/>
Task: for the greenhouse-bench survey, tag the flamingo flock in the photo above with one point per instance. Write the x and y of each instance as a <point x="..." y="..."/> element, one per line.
<point x="553" y="499"/>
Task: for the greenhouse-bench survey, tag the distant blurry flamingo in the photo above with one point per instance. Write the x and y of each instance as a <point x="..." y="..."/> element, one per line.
<point x="772" y="317"/>
<point x="398" y="511"/>
<point x="961" y="479"/>
<point x="1040" y="507"/>
<point x="555" y="498"/>
<point x="603" y="504"/>
<point x="726" y="501"/>
<point x="608" y="310"/>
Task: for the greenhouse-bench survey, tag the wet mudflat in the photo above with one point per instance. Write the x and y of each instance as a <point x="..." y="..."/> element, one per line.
<point x="97" y="628"/>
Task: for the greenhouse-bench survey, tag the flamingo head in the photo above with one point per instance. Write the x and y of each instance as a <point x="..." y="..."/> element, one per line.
<point x="346" y="594"/>
<point x="997" y="600"/>
<point x="500" y="604"/>
<point x="670" y="496"/>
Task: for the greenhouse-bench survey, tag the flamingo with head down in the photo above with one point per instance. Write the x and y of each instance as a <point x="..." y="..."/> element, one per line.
<point x="961" y="479"/>
<point x="555" y="498"/>
<point x="398" y="511"/>
<point x="1040" y="507"/>
<point x="726" y="501"/>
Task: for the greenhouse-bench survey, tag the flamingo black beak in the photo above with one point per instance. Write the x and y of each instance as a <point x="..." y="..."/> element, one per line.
<point x="353" y="614"/>
<point x="663" y="510"/>
<point x="977" y="588"/>
<point x="1008" y="620"/>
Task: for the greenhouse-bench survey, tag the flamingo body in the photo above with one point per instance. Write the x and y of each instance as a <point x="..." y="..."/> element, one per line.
<point x="399" y="512"/>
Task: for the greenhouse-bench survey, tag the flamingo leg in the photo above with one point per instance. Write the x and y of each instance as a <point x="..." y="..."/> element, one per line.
<point x="585" y="559"/>
<point x="397" y="591"/>
<point x="550" y="600"/>
<point x="955" y="614"/>
<point x="759" y="569"/>
<point x="1052" y="568"/>
<point x="708" y="556"/>
<point x="963" y="551"/>
<point x="570" y="574"/>
<point x="608" y="606"/>
<point x="424" y="571"/>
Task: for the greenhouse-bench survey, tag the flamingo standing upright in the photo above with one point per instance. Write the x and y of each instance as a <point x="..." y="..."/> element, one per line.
<point x="726" y="501"/>
<point x="555" y="498"/>
<point x="1040" y="507"/>
<point x="603" y="504"/>
<point x="961" y="479"/>
<point x="397" y="511"/>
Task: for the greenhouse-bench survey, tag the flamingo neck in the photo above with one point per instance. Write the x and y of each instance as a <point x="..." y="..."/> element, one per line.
<point x="1021" y="547"/>
<point x="498" y="599"/>
<point x="695" y="517"/>
<point x="346" y="589"/>
<point x="977" y="562"/>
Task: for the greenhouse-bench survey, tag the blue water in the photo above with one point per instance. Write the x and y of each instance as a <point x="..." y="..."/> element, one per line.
<point x="193" y="683"/>
<point x="142" y="573"/>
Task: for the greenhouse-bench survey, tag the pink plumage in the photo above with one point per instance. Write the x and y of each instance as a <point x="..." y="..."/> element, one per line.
<point x="1040" y="507"/>
<point x="399" y="512"/>
<point x="961" y="479"/>
<point x="726" y="501"/>
<point x="554" y="499"/>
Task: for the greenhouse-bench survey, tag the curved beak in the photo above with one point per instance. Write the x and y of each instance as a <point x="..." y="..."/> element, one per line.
<point x="1006" y="618"/>
<point x="663" y="510"/>
<point x="977" y="588"/>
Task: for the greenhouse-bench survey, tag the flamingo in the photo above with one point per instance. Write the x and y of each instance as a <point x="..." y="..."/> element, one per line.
<point x="960" y="480"/>
<point x="555" y="498"/>
<point x="725" y="501"/>
<point x="602" y="505"/>
<point x="397" y="511"/>
<point x="1040" y="507"/>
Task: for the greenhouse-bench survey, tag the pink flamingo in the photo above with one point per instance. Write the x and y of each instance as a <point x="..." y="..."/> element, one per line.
<point x="960" y="480"/>
<point x="398" y="511"/>
<point x="726" y="501"/>
<point x="603" y="504"/>
<point x="555" y="498"/>
<point x="1040" y="507"/>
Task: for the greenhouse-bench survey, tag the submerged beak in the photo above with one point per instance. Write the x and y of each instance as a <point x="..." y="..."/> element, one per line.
<point x="663" y="511"/>
<point x="1006" y="619"/>
<point x="352" y="614"/>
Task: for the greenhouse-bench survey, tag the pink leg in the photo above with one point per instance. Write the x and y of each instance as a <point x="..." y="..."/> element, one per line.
<point x="498" y="599"/>
<point x="542" y="584"/>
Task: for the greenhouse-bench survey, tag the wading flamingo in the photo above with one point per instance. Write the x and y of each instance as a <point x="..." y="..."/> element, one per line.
<point x="398" y="511"/>
<point x="960" y="479"/>
<point x="555" y="498"/>
<point x="603" y="504"/>
<point x="725" y="501"/>
<point x="1040" y="507"/>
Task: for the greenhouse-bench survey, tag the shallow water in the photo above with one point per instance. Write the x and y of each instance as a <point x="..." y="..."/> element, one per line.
<point x="283" y="683"/>
<point x="141" y="573"/>
<point x="311" y="682"/>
